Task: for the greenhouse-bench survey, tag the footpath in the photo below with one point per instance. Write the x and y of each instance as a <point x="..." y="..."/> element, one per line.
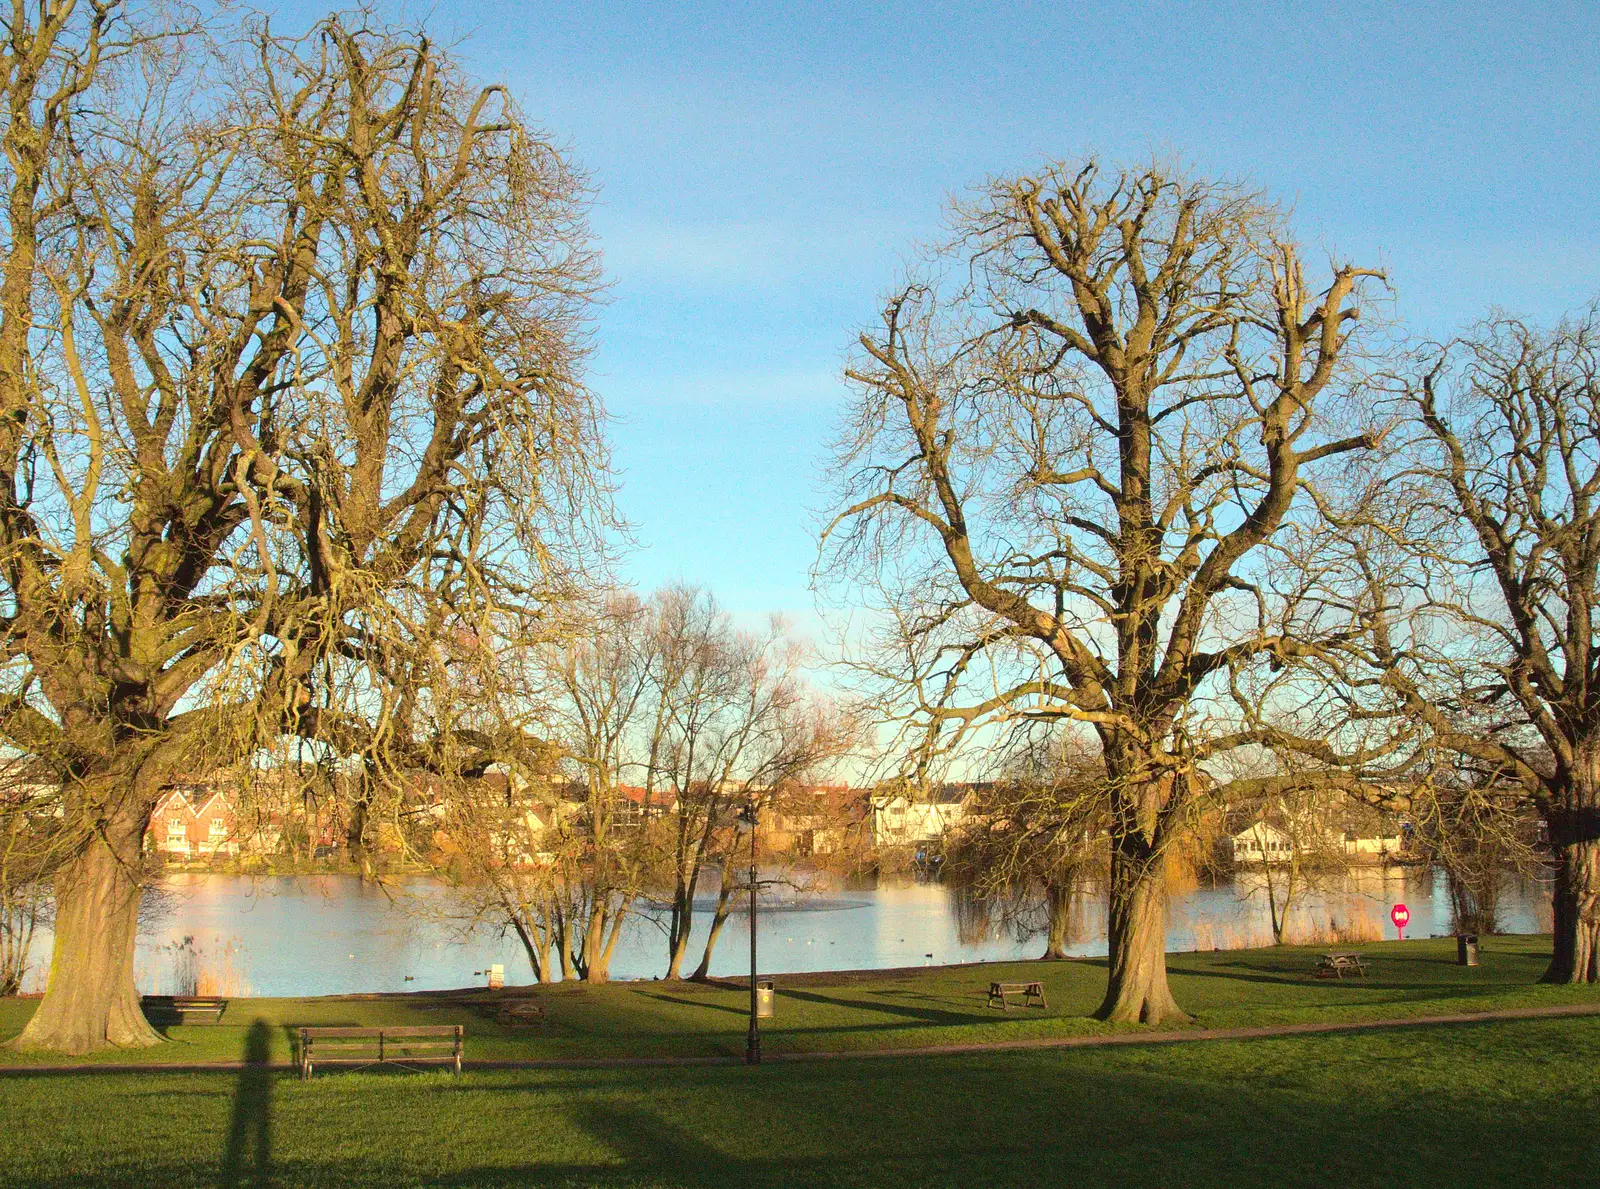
<point x="1176" y="1036"/>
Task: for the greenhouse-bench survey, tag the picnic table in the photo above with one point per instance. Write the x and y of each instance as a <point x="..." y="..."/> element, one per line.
<point x="1337" y="965"/>
<point x="521" y="1011"/>
<point x="1032" y="994"/>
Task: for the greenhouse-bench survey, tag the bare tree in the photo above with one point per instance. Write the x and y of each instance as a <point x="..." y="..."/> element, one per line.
<point x="1031" y="842"/>
<point x="26" y="862"/>
<point x="292" y="427"/>
<point x="1298" y="847"/>
<point x="607" y="855"/>
<point x="735" y="721"/>
<point x="1480" y="567"/>
<point x="1063" y="470"/>
<point x="1482" y="832"/>
<point x="497" y="841"/>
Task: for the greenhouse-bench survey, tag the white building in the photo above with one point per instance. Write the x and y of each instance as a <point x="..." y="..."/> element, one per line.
<point x="898" y="820"/>
<point x="1371" y="848"/>
<point x="1263" y="843"/>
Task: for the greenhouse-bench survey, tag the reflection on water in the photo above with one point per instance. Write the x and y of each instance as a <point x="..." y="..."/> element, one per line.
<point x="310" y="935"/>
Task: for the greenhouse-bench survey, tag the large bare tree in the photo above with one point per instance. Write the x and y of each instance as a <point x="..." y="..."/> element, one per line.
<point x="291" y="423"/>
<point x="1075" y="436"/>
<point x="1481" y="559"/>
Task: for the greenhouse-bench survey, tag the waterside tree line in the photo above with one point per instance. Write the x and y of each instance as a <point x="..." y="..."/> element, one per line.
<point x="295" y="447"/>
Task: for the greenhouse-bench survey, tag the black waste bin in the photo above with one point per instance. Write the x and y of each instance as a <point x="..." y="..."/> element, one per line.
<point x="1466" y="949"/>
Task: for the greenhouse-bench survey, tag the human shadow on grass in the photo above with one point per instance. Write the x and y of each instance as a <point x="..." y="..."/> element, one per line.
<point x="247" y="1155"/>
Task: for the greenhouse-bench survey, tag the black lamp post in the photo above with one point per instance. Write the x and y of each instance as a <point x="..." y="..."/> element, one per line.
<point x="752" y="1048"/>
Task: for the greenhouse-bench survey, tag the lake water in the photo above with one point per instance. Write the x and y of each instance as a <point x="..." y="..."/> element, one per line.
<point x="314" y="935"/>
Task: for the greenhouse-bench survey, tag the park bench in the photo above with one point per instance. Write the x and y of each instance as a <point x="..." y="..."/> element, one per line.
<point x="1032" y="994"/>
<point x="168" y="1009"/>
<point x="1339" y="965"/>
<point x="436" y="1044"/>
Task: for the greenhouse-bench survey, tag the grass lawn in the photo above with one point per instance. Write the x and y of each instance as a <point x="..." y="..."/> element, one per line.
<point x="1501" y="1104"/>
<point x="1508" y="1103"/>
<point x="939" y="1005"/>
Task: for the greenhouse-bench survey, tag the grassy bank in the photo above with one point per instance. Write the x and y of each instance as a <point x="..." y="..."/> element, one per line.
<point x="1503" y="1104"/>
<point x="872" y="1010"/>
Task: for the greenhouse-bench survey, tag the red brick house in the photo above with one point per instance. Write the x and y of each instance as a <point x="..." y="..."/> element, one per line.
<point x="193" y="822"/>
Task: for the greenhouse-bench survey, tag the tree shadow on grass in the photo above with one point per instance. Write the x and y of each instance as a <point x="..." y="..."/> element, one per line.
<point x="247" y="1156"/>
<point x="1461" y="1107"/>
<point x="1044" y="1121"/>
<point x="927" y="1015"/>
<point x="722" y="1007"/>
<point x="1394" y="991"/>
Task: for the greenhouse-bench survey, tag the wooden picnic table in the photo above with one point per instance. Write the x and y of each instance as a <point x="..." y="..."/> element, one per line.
<point x="1337" y="965"/>
<point x="521" y="1011"/>
<point x="1032" y="994"/>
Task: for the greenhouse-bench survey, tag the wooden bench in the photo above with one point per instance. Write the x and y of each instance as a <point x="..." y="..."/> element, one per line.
<point x="435" y="1044"/>
<point x="178" y="1008"/>
<point x="1339" y="965"/>
<point x="1032" y="994"/>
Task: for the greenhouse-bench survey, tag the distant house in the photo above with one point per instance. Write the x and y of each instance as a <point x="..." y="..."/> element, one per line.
<point x="820" y="819"/>
<point x="1363" y="838"/>
<point x="1381" y="844"/>
<point x="640" y="804"/>
<point x="1263" y="842"/>
<point x="899" y="820"/>
<point x="193" y="822"/>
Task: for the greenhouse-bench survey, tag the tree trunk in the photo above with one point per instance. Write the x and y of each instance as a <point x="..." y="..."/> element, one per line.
<point x="355" y="838"/>
<point x="1136" y="937"/>
<point x="1059" y="897"/>
<point x="603" y="963"/>
<point x="90" y="1001"/>
<point x="596" y="958"/>
<point x="678" y="937"/>
<point x="535" y="944"/>
<point x="1274" y="916"/>
<point x="563" y="931"/>
<point x="718" y="919"/>
<point x="1575" y="838"/>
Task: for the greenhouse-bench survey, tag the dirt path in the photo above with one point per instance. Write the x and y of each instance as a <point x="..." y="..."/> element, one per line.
<point x="999" y="1046"/>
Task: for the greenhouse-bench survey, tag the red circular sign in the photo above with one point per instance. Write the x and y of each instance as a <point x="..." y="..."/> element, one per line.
<point x="1399" y="914"/>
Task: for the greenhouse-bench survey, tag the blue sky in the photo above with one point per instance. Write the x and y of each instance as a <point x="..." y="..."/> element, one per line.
<point x="764" y="169"/>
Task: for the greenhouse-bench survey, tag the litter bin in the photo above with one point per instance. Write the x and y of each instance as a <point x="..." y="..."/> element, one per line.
<point x="764" y="998"/>
<point x="1466" y="949"/>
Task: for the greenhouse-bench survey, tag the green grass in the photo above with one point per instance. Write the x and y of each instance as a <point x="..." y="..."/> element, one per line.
<point x="940" y="1005"/>
<point x="1502" y="1104"/>
<point x="1508" y="1103"/>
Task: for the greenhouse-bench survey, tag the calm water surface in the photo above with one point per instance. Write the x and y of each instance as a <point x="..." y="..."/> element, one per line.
<point x="314" y="935"/>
